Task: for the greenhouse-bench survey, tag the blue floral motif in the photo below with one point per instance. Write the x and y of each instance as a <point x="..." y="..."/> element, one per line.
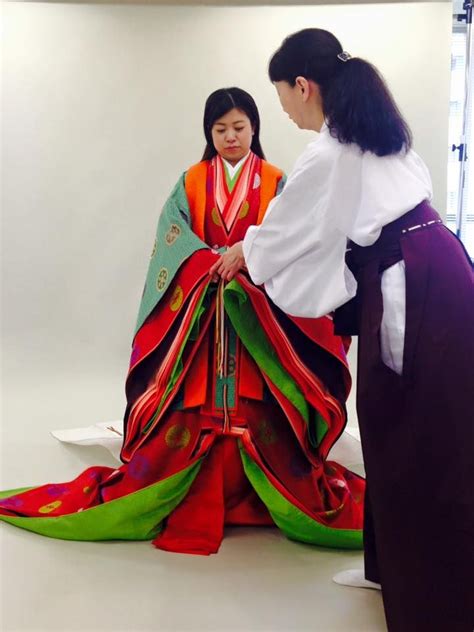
<point x="95" y="476"/>
<point x="12" y="503"/>
<point x="56" y="490"/>
<point x="135" y="354"/>
<point x="138" y="467"/>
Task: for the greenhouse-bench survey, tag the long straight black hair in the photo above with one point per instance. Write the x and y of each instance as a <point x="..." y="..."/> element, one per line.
<point x="357" y="104"/>
<point x="218" y="104"/>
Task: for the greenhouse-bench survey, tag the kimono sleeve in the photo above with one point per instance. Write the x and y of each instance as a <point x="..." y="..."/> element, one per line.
<point x="298" y="252"/>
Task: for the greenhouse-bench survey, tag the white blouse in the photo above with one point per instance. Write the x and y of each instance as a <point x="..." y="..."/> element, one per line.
<point x="334" y="193"/>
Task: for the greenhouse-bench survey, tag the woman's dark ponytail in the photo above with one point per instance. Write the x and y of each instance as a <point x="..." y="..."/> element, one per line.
<point x="358" y="106"/>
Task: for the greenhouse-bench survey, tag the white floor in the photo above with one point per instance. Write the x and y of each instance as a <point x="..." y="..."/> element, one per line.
<point x="258" y="581"/>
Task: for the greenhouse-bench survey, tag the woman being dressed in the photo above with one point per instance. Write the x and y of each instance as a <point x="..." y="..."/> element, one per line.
<point x="407" y="290"/>
<point x="232" y="406"/>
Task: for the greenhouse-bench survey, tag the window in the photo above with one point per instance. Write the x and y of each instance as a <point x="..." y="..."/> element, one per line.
<point x="461" y="192"/>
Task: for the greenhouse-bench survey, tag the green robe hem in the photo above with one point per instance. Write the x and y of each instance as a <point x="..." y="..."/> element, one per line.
<point x="295" y="524"/>
<point x="136" y="516"/>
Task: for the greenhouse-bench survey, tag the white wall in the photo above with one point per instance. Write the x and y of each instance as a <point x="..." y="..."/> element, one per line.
<point x="102" y="109"/>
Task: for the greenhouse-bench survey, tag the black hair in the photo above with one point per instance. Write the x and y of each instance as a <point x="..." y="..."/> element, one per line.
<point x="357" y="104"/>
<point x="218" y="104"/>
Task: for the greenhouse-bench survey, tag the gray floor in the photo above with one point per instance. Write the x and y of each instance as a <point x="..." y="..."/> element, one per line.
<point x="258" y="580"/>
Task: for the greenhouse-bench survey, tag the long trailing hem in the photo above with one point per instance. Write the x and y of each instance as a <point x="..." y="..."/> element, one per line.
<point x="283" y="456"/>
<point x="249" y="446"/>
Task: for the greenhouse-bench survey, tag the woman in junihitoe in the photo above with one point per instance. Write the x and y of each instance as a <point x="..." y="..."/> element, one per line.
<point x="411" y="285"/>
<point x="232" y="406"/>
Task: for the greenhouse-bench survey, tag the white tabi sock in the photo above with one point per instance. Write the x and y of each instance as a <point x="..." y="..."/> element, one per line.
<point x="355" y="577"/>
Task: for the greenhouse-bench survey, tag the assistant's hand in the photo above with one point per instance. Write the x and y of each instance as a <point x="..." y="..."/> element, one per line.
<point x="230" y="263"/>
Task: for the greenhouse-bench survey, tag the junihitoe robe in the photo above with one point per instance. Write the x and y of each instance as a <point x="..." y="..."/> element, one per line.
<point x="232" y="405"/>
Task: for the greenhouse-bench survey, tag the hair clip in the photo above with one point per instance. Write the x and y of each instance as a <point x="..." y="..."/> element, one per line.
<point x="344" y="56"/>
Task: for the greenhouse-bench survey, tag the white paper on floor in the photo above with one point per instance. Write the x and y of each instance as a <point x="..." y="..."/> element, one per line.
<point x="109" y="434"/>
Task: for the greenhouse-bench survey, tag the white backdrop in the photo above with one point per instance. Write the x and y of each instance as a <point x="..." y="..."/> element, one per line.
<point x="102" y="109"/>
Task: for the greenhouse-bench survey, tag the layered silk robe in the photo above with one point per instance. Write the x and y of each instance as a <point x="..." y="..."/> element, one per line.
<point x="232" y="405"/>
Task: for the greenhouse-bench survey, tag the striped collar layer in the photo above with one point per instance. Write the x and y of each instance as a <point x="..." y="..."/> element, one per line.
<point x="229" y="202"/>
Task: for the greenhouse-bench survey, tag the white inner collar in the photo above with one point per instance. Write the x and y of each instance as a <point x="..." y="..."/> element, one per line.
<point x="232" y="170"/>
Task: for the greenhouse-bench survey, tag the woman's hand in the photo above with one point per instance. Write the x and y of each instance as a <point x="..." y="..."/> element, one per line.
<point x="230" y="263"/>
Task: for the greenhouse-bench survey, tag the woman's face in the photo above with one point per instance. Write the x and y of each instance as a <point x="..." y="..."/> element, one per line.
<point x="232" y="135"/>
<point x="290" y="100"/>
<point x="302" y="102"/>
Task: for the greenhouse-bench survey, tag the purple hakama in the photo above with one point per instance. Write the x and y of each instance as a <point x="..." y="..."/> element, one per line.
<point x="417" y="429"/>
